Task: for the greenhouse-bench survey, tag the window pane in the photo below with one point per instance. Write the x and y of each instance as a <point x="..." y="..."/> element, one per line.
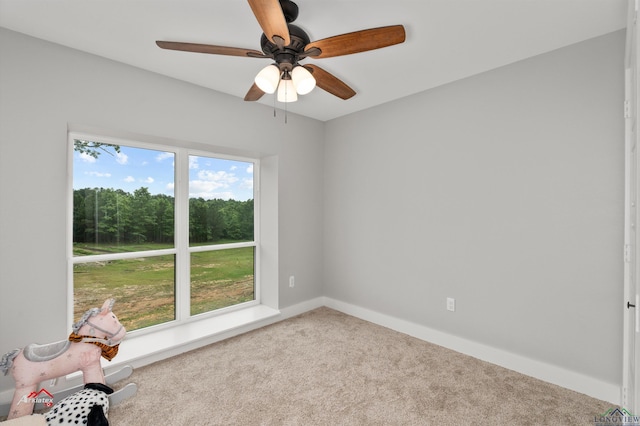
<point x="144" y="289"/>
<point x="221" y="278"/>
<point x="123" y="198"/>
<point x="220" y="200"/>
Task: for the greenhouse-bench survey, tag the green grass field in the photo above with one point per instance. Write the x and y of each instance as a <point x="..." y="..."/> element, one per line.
<point x="144" y="288"/>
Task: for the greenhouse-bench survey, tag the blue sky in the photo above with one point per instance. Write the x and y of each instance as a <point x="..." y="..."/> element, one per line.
<point x="134" y="168"/>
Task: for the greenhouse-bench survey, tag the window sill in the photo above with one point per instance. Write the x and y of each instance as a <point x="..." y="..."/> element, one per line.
<point x="145" y="349"/>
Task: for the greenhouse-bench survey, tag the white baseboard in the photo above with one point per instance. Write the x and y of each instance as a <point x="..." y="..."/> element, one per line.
<point x="543" y="371"/>
<point x="302" y="307"/>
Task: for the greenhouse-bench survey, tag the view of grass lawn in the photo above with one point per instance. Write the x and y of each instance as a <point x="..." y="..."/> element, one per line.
<point x="221" y="278"/>
<point x="144" y="288"/>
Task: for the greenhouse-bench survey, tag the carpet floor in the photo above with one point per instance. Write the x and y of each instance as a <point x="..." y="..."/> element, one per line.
<point x="328" y="368"/>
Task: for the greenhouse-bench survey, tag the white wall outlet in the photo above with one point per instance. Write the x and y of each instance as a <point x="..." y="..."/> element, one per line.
<point x="451" y="304"/>
<point x="292" y="281"/>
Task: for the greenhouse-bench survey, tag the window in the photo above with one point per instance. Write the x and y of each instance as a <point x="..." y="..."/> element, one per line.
<point x="168" y="232"/>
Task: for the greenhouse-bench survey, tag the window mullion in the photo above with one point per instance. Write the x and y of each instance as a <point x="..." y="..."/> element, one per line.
<point x="183" y="260"/>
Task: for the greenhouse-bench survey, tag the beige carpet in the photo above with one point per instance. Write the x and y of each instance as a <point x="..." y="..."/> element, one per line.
<point x="327" y="368"/>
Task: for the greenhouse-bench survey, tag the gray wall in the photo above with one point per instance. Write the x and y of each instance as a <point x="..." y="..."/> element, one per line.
<point x="44" y="88"/>
<point x="504" y="191"/>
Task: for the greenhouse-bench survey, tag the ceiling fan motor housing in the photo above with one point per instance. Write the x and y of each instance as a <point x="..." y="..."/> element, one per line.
<point x="288" y="57"/>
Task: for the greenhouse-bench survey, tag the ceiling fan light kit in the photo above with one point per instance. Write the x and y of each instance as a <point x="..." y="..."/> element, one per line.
<point x="268" y="78"/>
<point x="302" y="80"/>
<point x="299" y="80"/>
<point x="287" y="91"/>
<point x="287" y="44"/>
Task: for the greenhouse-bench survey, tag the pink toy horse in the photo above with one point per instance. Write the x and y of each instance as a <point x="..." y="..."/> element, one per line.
<point x="97" y="334"/>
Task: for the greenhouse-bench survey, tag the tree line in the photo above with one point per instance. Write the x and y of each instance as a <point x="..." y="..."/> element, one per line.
<point x="113" y="216"/>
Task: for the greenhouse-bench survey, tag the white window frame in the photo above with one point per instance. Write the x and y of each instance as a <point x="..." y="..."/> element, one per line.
<point x="181" y="250"/>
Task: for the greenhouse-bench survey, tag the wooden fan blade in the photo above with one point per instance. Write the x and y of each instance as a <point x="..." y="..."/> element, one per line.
<point x="330" y="83"/>
<point x="271" y="19"/>
<point x="254" y="93"/>
<point x="209" y="48"/>
<point x="358" y="41"/>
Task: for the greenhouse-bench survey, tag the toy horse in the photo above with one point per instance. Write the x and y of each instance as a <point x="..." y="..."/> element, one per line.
<point x="97" y="333"/>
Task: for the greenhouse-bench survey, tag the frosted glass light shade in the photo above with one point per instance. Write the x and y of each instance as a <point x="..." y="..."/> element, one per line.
<point x="287" y="92"/>
<point x="268" y="78"/>
<point x="302" y="80"/>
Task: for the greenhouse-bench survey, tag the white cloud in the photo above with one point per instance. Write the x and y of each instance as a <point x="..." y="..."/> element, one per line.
<point x="219" y="177"/>
<point x="193" y="162"/>
<point x="204" y="187"/>
<point x="250" y="169"/>
<point x="212" y="184"/>
<point x="164" y="155"/>
<point x="86" y="158"/>
<point x="98" y="174"/>
<point x="122" y="158"/>
<point x="246" y="183"/>
<point x="220" y="184"/>
<point x="148" y="180"/>
<point x="129" y="179"/>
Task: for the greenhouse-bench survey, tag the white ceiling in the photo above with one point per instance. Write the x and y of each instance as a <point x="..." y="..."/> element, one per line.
<point x="446" y="40"/>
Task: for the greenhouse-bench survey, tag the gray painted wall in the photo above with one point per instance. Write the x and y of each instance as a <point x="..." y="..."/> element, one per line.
<point x="44" y="88"/>
<point x="504" y="191"/>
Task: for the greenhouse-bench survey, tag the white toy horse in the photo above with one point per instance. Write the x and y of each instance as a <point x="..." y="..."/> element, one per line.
<point x="98" y="333"/>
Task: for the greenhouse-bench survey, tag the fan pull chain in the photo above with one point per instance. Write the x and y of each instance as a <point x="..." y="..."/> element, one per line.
<point x="285" y="112"/>
<point x="275" y="109"/>
<point x="286" y="98"/>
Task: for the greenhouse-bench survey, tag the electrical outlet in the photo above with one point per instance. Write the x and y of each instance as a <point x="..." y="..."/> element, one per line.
<point x="292" y="281"/>
<point x="451" y="304"/>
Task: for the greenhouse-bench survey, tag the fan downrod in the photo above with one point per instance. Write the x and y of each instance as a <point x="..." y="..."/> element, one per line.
<point x="290" y="10"/>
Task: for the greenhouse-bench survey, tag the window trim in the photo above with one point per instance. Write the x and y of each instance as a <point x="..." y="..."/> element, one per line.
<point x="181" y="250"/>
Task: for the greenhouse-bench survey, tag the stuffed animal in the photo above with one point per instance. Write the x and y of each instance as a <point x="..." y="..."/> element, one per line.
<point x="98" y="333"/>
<point x="89" y="406"/>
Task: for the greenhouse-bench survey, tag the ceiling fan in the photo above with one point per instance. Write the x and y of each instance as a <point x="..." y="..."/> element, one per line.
<point x="287" y="44"/>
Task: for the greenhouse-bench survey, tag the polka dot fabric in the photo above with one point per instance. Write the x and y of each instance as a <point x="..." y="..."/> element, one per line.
<point x="86" y="407"/>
